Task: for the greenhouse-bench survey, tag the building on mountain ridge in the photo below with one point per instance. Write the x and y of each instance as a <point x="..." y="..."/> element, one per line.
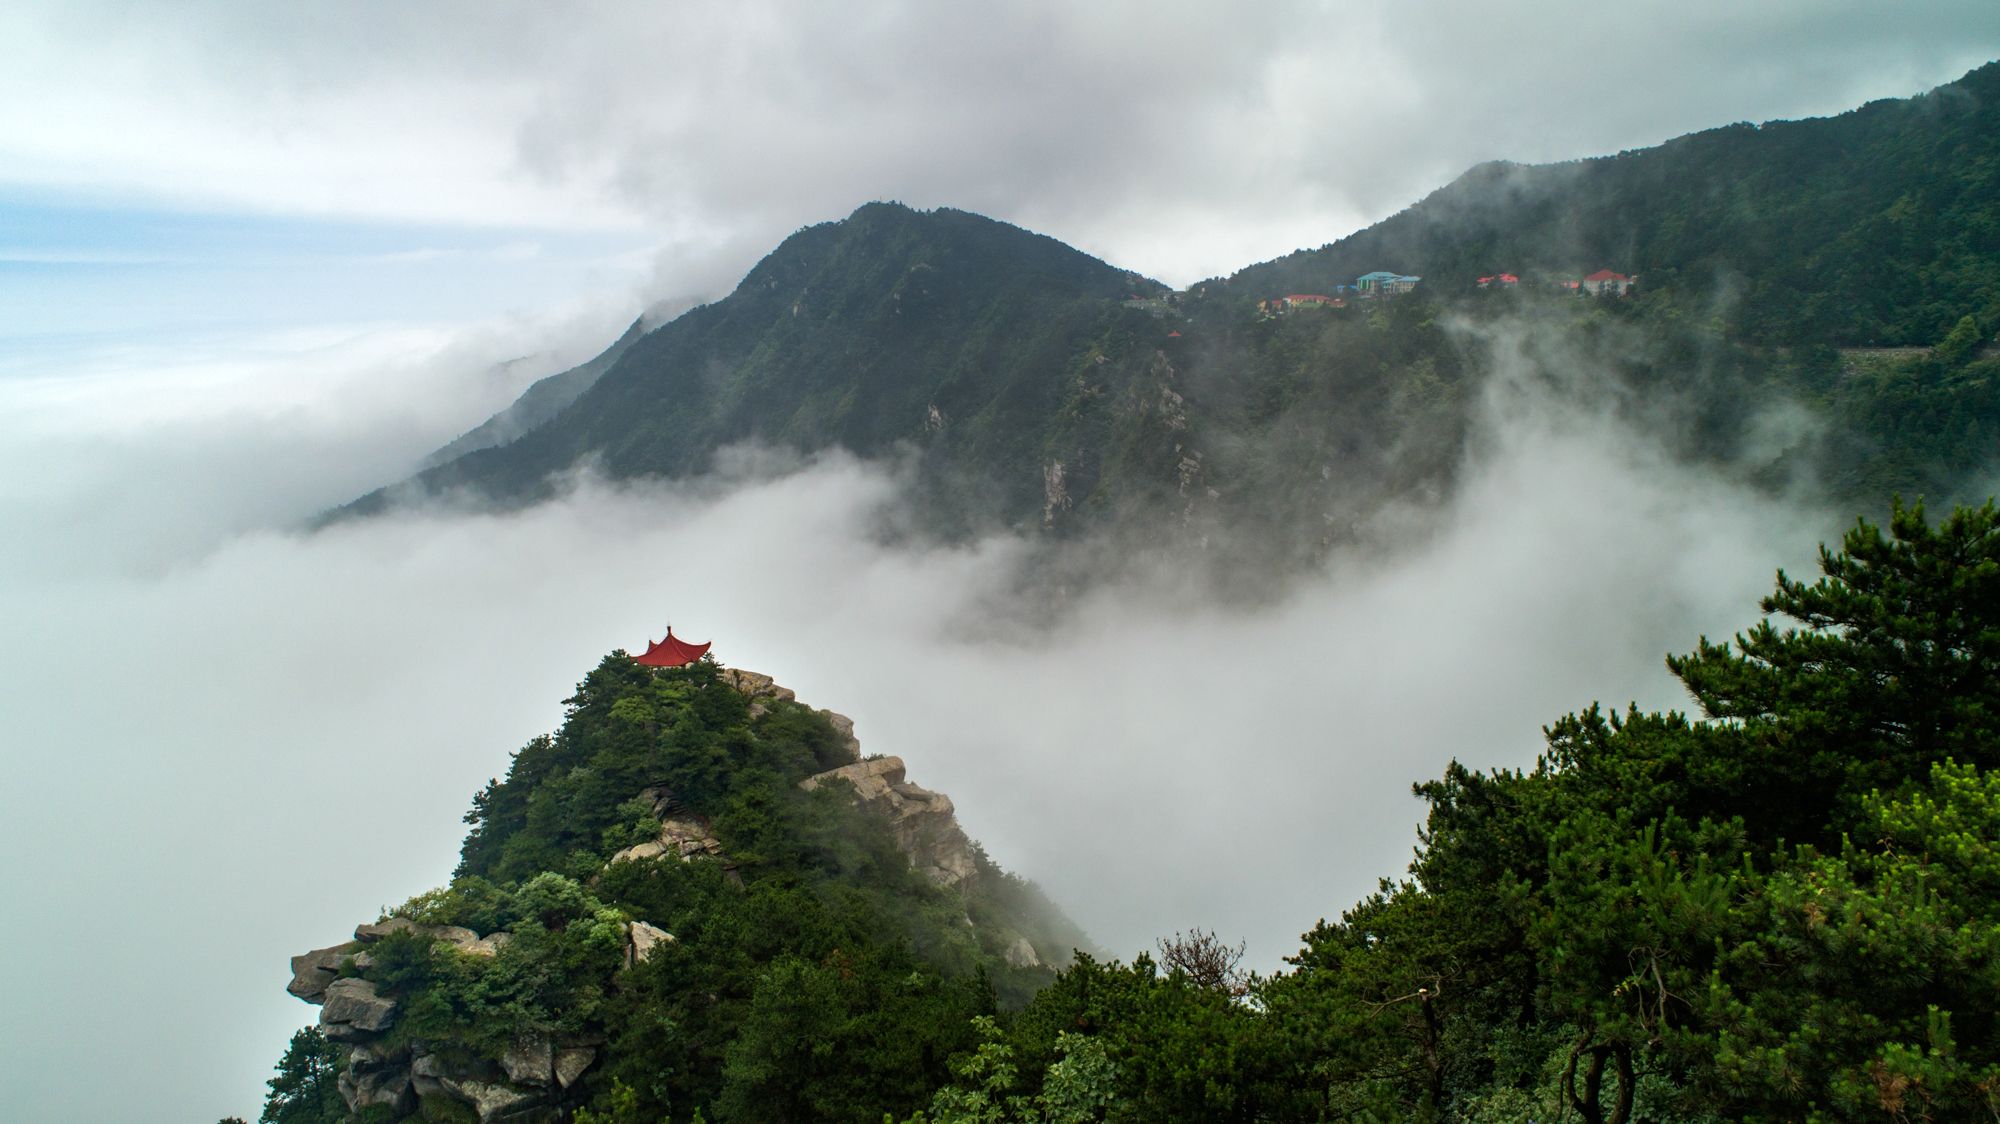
<point x="671" y="652"/>
<point x="1383" y="283"/>
<point x="1604" y="281"/>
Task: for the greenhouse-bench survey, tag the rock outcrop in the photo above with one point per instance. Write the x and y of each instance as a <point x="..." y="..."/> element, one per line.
<point x="542" y="1076"/>
<point x="924" y="823"/>
<point x="1021" y="954"/>
<point x="313" y="971"/>
<point x="641" y="939"/>
<point x="352" y="1009"/>
<point x="529" y="1079"/>
<point x="760" y="686"/>
<point x="683" y="834"/>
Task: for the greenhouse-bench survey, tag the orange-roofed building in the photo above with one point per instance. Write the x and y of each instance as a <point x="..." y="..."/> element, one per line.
<point x="1605" y="281"/>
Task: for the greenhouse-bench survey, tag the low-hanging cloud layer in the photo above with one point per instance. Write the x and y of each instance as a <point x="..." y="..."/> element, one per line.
<point x="228" y="742"/>
<point x="234" y="744"/>
<point x="1180" y="139"/>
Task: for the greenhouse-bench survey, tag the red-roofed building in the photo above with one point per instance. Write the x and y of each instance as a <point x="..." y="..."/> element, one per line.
<point x="1506" y="280"/>
<point x="671" y="652"/>
<point x="1605" y="281"/>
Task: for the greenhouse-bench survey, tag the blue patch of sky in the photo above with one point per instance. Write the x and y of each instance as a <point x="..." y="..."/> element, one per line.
<point x="77" y="276"/>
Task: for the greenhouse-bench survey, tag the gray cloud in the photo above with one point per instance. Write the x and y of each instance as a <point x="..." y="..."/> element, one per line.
<point x="1180" y="139"/>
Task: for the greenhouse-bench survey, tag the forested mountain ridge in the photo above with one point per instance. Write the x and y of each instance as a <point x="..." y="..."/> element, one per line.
<point x="1041" y="396"/>
<point x="883" y="328"/>
<point x="1879" y="227"/>
<point x="694" y="895"/>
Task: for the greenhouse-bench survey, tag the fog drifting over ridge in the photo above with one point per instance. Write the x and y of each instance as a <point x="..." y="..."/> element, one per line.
<point x="250" y="739"/>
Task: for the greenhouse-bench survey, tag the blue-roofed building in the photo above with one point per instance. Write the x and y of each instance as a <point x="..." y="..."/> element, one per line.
<point x="1382" y="283"/>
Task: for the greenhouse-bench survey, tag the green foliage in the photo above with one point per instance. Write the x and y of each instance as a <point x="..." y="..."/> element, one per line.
<point x="1784" y="908"/>
<point x="303" y="1092"/>
<point x="814" y="975"/>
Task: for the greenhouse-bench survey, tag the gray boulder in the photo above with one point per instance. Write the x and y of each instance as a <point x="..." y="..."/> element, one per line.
<point x="313" y="971"/>
<point x="1021" y="954"/>
<point x="454" y="934"/>
<point x="844" y="726"/>
<point x="641" y="940"/>
<point x="371" y="1056"/>
<point x="375" y="932"/>
<point x="924" y="822"/>
<point x="353" y="1003"/>
<point x="529" y="1060"/>
<point x="390" y="1087"/>
<point x="571" y="1063"/>
<point x="425" y="1071"/>
<point x="493" y="1101"/>
<point x="489" y="945"/>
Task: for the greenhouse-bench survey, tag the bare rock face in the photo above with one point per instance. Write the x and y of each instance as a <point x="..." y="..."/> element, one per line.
<point x="924" y="823"/>
<point x="424" y="1074"/>
<point x="491" y="1100"/>
<point x="391" y="1087"/>
<point x="683" y="836"/>
<point x="489" y="945"/>
<point x="529" y="1060"/>
<point x="757" y="686"/>
<point x="313" y="971"/>
<point x="369" y="934"/>
<point x="353" y="1003"/>
<point x="641" y="940"/>
<point x="844" y="726"/>
<point x="571" y="1063"/>
<point x="1021" y="954"/>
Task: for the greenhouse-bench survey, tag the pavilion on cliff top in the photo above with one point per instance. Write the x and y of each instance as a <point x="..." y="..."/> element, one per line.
<point x="671" y="652"/>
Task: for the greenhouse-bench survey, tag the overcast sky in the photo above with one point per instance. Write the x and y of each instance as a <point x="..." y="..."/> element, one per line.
<point x="1182" y="140"/>
<point x="256" y="259"/>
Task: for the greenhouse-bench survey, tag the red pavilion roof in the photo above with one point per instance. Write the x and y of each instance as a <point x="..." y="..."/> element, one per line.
<point x="671" y="652"/>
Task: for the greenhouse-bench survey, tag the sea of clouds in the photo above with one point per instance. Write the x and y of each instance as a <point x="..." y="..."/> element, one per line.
<point x="229" y="740"/>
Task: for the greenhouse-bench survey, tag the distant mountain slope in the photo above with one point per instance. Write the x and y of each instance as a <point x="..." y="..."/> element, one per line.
<point x="1046" y="389"/>
<point x="1876" y="228"/>
<point x="860" y="333"/>
<point x="539" y="403"/>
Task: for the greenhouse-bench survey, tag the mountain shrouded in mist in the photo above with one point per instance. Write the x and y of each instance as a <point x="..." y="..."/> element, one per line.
<point x="1043" y="388"/>
<point x="697" y="900"/>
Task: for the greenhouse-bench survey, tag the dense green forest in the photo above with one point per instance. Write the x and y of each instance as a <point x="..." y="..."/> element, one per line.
<point x="811" y="973"/>
<point x="1784" y="908"/>
<point x="1030" y="386"/>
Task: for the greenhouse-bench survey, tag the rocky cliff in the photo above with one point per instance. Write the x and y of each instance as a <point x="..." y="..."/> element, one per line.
<point x="505" y="1068"/>
<point x="532" y="1075"/>
<point x="925" y="826"/>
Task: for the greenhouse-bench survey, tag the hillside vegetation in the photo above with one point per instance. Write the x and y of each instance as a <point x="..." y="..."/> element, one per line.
<point x="807" y="970"/>
<point x="1784" y="908"/>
